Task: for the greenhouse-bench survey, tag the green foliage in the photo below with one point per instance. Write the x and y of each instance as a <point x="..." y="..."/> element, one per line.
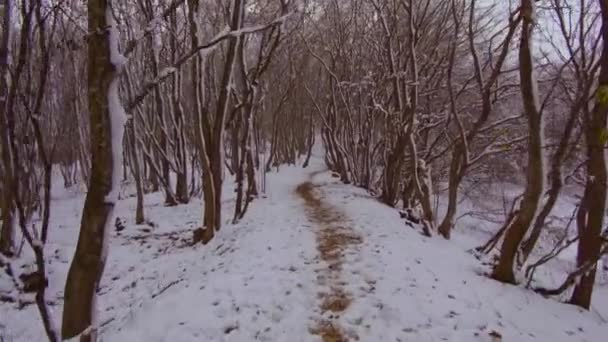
<point x="604" y="136"/>
<point x="602" y="95"/>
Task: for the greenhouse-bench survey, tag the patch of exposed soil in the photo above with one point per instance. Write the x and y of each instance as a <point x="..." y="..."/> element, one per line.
<point x="335" y="301"/>
<point x="329" y="332"/>
<point x="333" y="238"/>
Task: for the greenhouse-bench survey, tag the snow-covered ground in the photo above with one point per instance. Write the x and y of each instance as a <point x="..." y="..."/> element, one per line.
<point x="258" y="279"/>
<point x="429" y="289"/>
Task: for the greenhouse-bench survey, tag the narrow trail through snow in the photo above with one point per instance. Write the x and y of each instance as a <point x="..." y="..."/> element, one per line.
<point x="313" y="260"/>
<point x="333" y="237"/>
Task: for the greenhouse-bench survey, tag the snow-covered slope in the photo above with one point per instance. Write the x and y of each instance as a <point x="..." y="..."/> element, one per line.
<point x="261" y="280"/>
<point x="429" y="289"/>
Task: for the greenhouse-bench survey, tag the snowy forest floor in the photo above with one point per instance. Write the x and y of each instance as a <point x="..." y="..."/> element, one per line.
<point x="313" y="260"/>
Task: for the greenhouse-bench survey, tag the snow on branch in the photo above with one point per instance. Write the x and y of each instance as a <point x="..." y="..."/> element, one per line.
<point x="132" y="44"/>
<point x="149" y="86"/>
<point x="117" y="112"/>
<point x="201" y="49"/>
<point x="574" y="276"/>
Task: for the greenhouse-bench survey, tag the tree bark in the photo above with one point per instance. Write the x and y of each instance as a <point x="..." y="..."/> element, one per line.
<point x="181" y="186"/>
<point x="556" y="183"/>
<point x="455" y="177"/>
<point x="590" y="220"/>
<point x="159" y="102"/>
<point x="201" y="130"/>
<point x="106" y="130"/>
<point x="139" y="209"/>
<point x="217" y="148"/>
<point x="460" y="161"/>
<point x="535" y="176"/>
<point x="7" y="228"/>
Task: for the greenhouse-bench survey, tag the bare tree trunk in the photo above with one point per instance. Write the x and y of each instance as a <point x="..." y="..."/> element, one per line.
<point x="234" y="143"/>
<point x="455" y="177"/>
<point x="153" y="180"/>
<point x="201" y="131"/>
<point x="160" y="112"/>
<point x="555" y="177"/>
<point x="181" y="185"/>
<point x="460" y="161"/>
<point x="36" y="240"/>
<point x="238" y="170"/>
<point x="420" y="172"/>
<point x="139" y="210"/>
<point x="217" y="148"/>
<point x="310" y="141"/>
<point x="241" y="119"/>
<point x="84" y="160"/>
<point x="7" y="228"/>
<point x="590" y="218"/>
<point x="247" y="166"/>
<point x="392" y="170"/>
<point x="106" y="123"/>
<point x="8" y="122"/>
<point x="133" y="142"/>
<point x="535" y="176"/>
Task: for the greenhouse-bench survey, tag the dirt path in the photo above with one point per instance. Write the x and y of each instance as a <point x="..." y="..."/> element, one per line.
<point x="334" y="237"/>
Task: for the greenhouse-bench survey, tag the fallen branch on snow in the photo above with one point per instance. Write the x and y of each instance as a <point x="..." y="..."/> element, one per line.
<point x="175" y="282"/>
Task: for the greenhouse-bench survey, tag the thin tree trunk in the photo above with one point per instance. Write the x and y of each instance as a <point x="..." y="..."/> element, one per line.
<point x="7" y="124"/>
<point x="160" y="112"/>
<point x="206" y="232"/>
<point x="7" y="228"/>
<point x="139" y="210"/>
<point x="460" y="161"/>
<point x="181" y="185"/>
<point x="310" y="141"/>
<point x="535" y="176"/>
<point x="555" y="175"/>
<point x="37" y="243"/>
<point x="217" y="148"/>
<point x="455" y="177"/>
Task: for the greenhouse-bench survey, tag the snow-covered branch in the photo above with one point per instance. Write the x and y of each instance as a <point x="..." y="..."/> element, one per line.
<point x="152" y="24"/>
<point x="201" y="49"/>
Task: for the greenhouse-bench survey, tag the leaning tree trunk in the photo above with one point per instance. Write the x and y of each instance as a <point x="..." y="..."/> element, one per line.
<point x="107" y="127"/>
<point x="556" y="184"/>
<point x="593" y="204"/>
<point x="535" y="169"/>
<point x="460" y="162"/>
<point x="455" y="177"/>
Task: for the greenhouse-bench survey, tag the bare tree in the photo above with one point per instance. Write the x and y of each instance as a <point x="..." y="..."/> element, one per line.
<point x="576" y="76"/>
<point x="590" y="217"/>
<point x="535" y="173"/>
<point x="7" y="229"/>
<point x="106" y="116"/>
<point x="461" y="155"/>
